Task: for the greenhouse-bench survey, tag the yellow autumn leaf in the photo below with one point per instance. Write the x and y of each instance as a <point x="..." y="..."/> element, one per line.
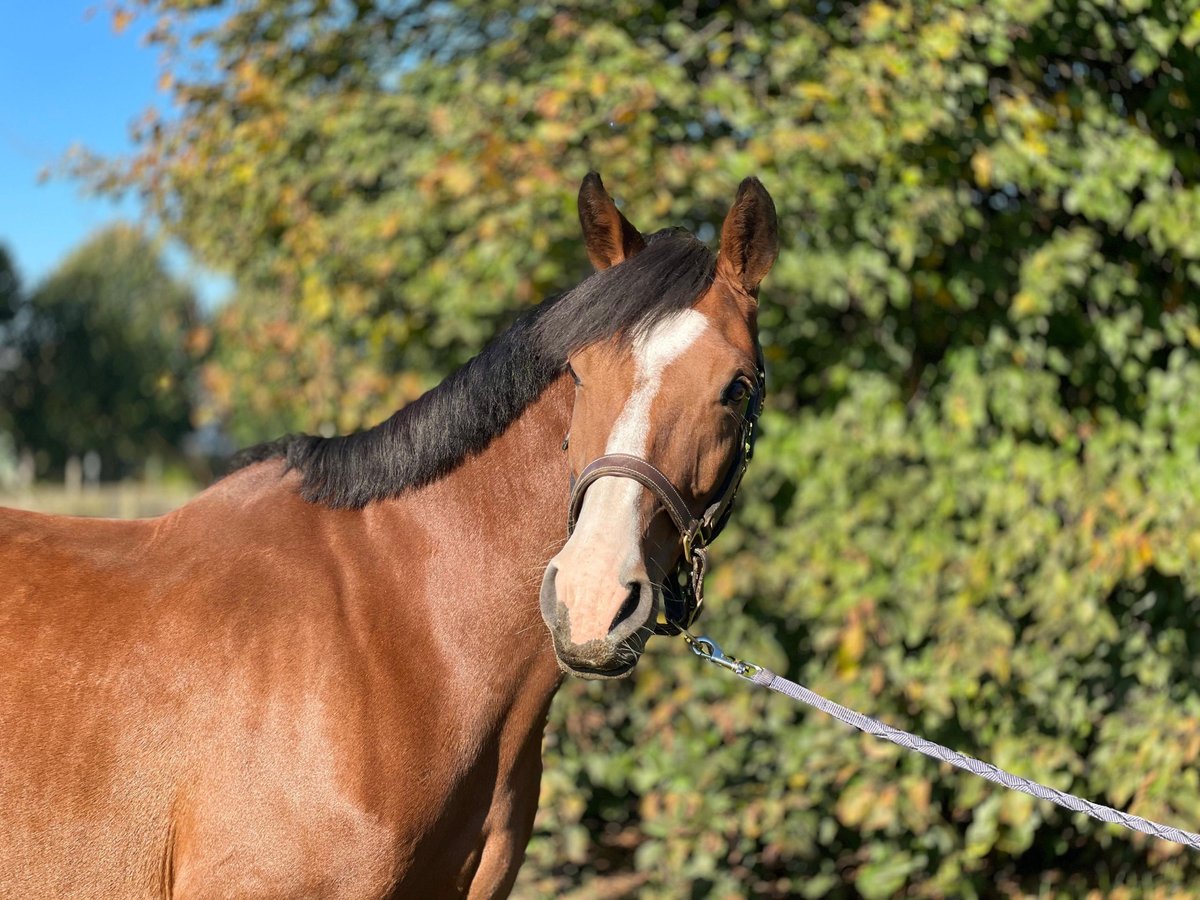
<point x="1024" y="303"/>
<point x="982" y="166"/>
<point x="875" y="19"/>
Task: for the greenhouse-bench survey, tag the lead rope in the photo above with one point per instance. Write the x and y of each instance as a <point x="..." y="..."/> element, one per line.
<point x="708" y="649"/>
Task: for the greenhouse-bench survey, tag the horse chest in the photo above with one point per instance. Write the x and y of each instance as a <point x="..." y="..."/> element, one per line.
<point x="408" y="798"/>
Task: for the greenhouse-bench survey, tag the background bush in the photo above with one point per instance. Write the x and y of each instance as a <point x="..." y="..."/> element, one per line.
<point x="974" y="510"/>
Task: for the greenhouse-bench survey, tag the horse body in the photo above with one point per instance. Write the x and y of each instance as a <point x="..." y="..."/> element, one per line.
<point x="343" y="694"/>
<point x="328" y="675"/>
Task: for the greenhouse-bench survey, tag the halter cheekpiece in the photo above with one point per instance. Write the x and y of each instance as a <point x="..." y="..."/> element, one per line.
<point x="683" y="589"/>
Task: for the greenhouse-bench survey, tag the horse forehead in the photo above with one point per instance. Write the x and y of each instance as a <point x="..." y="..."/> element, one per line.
<point x="666" y="341"/>
<point x="684" y="352"/>
<point x="692" y="345"/>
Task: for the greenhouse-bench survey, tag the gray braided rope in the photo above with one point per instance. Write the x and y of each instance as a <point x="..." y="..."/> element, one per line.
<point x="875" y="728"/>
<point x="710" y="651"/>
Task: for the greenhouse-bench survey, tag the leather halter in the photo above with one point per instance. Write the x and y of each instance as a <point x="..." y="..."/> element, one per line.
<point x="683" y="590"/>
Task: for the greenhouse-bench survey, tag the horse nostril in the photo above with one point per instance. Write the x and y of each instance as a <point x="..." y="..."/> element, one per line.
<point x="548" y="598"/>
<point x="632" y="601"/>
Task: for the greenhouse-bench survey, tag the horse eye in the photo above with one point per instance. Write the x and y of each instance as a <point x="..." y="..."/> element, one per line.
<point x="574" y="377"/>
<point x="737" y="391"/>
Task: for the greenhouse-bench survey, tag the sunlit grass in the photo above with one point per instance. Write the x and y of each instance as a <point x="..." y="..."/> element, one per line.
<point x="123" y="500"/>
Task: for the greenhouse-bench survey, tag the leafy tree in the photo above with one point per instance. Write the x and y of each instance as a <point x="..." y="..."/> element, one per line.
<point x="975" y="509"/>
<point x="101" y="357"/>
<point x="10" y="286"/>
<point x="10" y="301"/>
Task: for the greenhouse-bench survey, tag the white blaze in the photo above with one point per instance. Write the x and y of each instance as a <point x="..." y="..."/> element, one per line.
<point x="652" y="353"/>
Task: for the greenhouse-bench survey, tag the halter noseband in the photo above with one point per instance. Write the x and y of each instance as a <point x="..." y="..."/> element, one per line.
<point x="683" y="590"/>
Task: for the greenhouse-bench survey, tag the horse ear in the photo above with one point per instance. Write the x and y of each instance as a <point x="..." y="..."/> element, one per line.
<point x="750" y="236"/>
<point x="609" y="237"/>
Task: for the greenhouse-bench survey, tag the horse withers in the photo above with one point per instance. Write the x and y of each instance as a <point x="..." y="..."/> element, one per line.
<point x="328" y="675"/>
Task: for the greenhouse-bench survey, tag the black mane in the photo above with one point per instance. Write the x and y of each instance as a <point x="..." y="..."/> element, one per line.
<point x="429" y="437"/>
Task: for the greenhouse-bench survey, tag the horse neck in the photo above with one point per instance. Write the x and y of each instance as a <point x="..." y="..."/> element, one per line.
<point x="512" y="497"/>
<point x="497" y="520"/>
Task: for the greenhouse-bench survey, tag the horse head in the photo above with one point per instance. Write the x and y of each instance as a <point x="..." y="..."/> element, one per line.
<point x="662" y="418"/>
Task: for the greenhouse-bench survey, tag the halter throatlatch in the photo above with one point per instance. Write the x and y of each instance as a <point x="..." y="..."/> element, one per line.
<point x="683" y="589"/>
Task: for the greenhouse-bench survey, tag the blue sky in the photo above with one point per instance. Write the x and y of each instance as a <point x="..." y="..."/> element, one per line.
<point x="68" y="78"/>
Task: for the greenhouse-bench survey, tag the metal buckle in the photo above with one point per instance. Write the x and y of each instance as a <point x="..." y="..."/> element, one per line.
<point x="708" y="649"/>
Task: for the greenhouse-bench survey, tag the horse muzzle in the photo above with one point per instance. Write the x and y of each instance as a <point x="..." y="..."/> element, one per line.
<point x="587" y="649"/>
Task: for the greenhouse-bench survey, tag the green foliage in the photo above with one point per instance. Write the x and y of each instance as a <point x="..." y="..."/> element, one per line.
<point x="10" y="296"/>
<point x="974" y="511"/>
<point x="99" y="357"/>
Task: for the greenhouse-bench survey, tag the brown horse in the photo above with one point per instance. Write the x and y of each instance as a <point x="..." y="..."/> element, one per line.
<point x="328" y="674"/>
